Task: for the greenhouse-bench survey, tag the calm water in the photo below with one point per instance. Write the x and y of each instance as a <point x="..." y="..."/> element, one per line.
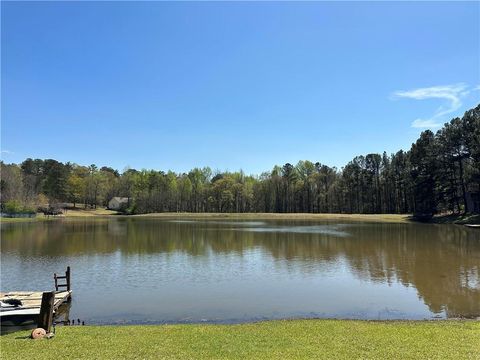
<point x="155" y="271"/>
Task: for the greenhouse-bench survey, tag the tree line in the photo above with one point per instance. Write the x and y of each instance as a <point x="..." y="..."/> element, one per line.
<point x="439" y="173"/>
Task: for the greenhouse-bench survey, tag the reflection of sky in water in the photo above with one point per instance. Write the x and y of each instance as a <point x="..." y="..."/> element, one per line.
<point x="151" y="271"/>
<point x="470" y="278"/>
<point x="264" y="227"/>
<point x="313" y="229"/>
<point x="216" y="222"/>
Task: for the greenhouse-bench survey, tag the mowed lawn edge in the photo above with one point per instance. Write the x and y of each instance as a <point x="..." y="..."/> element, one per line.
<point x="281" y="339"/>
<point x="80" y="214"/>
<point x="104" y="214"/>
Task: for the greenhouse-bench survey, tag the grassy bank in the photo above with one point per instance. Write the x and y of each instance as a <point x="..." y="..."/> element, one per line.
<point x="386" y="218"/>
<point x="5" y="220"/>
<point x="273" y="216"/>
<point x="390" y="218"/>
<point x="71" y="213"/>
<point x="298" y="339"/>
<point x="80" y="213"/>
<point x="89" y="212"/>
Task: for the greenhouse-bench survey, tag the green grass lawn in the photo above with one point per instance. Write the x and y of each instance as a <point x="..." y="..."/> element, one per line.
<point x="280" y="216"/>
<point x="297" y="339"/>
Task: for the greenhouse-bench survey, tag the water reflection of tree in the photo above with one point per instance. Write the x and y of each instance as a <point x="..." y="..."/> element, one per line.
<point x="441" y="262"/>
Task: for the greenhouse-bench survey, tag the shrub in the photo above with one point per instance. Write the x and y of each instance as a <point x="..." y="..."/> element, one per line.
<point x="15" y="207"/>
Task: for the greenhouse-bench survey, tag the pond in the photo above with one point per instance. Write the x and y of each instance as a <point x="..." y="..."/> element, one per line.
<point x="146" y="270"/>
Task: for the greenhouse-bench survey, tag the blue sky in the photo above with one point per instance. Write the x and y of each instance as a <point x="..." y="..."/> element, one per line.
<point x="231" y="85"/>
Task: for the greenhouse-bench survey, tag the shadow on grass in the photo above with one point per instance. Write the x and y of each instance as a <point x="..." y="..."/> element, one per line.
<point x="460" y="219"/>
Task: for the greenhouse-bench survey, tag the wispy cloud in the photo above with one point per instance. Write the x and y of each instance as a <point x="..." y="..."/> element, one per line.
<point x="451" y="95"/>
<point x="6" y="152"/>
<point x="423" y="124"/>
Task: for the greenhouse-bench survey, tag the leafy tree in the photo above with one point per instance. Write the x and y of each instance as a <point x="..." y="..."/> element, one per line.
<point x="441" y="172"/>
<point x="75" y="188"/>
<point x="55" y="175"/>
<point x="424" y="164"/>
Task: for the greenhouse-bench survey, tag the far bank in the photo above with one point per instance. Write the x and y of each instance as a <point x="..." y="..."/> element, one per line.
<point x="383" y="218"/>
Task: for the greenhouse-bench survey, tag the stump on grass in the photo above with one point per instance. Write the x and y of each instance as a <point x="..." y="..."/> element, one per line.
<point x="38" y="333"/>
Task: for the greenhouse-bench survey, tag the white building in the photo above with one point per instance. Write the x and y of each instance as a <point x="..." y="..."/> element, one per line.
<point x="117" y="203"/>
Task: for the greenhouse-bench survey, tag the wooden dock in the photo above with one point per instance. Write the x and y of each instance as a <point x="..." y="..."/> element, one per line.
<point x="33" y="299"/>
<point x="36" y="308"/>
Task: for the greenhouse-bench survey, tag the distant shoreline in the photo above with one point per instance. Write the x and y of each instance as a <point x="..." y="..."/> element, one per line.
<point x="380" y="218"/>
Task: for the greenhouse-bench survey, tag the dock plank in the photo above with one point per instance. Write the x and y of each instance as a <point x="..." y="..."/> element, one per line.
<point x="33" y="299"/>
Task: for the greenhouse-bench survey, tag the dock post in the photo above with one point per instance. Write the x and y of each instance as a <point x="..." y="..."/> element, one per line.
<point x="67" y="274"/>
<point x="45" y="318"/>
